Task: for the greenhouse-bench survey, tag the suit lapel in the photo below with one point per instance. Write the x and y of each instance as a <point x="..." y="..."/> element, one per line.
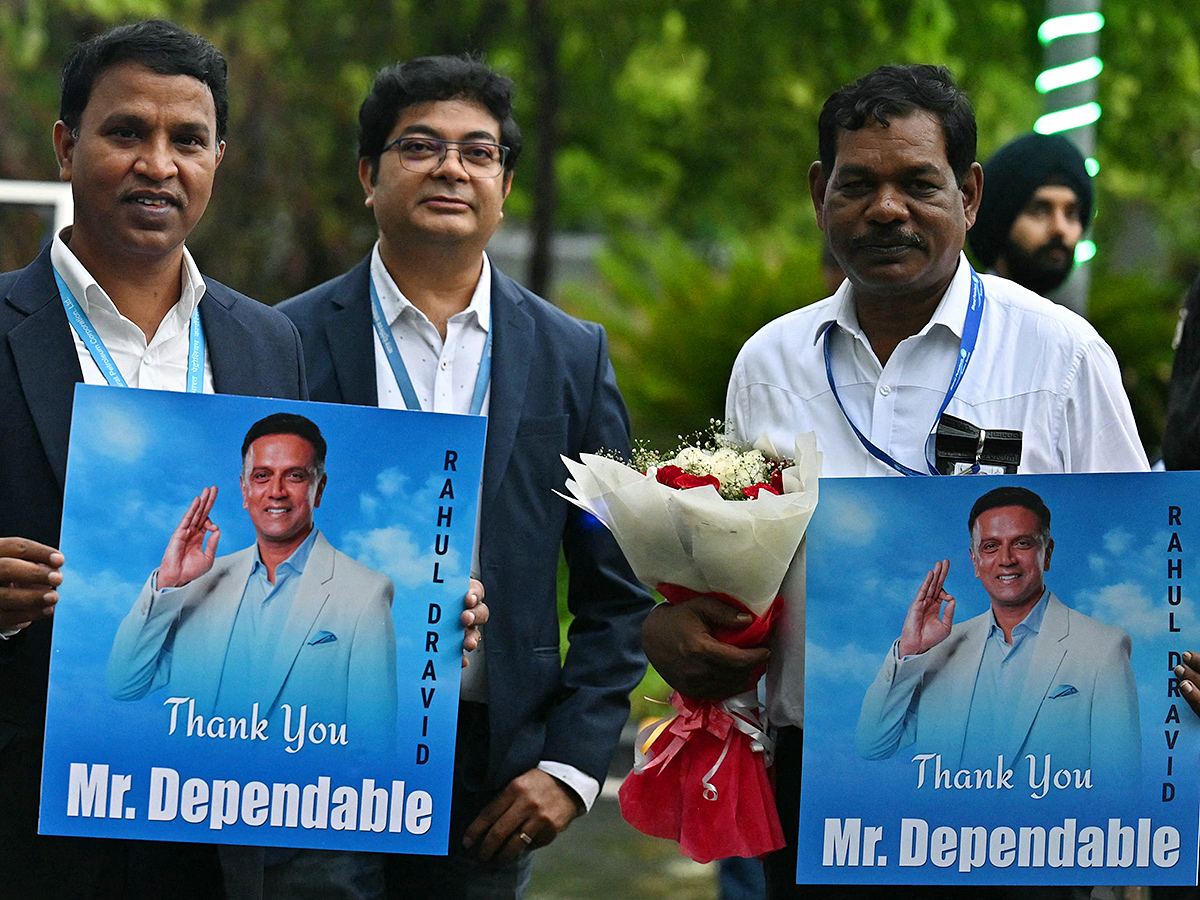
<point x="962" y="689"/>
<point x="1047" y="658"/>
<point x="228" y="343"/>
<point x="311" y="594"/>
<point x="512" y="351"/>
<point x="45" y="358"/>
<point x="351" y="337"/>
<point x="221" y="608"/>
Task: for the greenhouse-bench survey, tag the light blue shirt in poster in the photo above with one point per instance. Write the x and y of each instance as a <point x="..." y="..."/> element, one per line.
<point x="261" y="616"/>
<point x="998" y="686"/>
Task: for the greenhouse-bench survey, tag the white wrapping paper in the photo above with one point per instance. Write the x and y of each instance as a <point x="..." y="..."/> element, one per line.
<point x="693" y="537"/>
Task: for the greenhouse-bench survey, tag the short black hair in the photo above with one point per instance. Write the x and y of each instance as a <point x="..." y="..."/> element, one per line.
<point x="287" y="423"/>
<point x="898" y="91"/>
<point x="431" y="78"/>
<point x="1012" y="496"/>
<point x="160" y="46"/>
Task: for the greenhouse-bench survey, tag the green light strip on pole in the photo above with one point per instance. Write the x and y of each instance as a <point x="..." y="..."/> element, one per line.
<point x="1064" y="26"/>
<point x="1084" y="251"/>
<point x="1066" y="119"/>
<point x="1092" y="165"/>
<point x="1073" y="73"/>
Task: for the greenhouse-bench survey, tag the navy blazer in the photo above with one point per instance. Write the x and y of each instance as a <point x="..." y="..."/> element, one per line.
<point x="253" y="350"/>
<point x="553" y="392"/>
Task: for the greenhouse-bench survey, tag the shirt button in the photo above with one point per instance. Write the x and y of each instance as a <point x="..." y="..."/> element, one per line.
<point x="443" y="365"/>
<point x="884" y="390"/>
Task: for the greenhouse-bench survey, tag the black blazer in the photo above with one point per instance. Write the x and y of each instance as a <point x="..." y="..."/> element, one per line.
<point x="553" y="392"/>
<point x="253" y="350"/>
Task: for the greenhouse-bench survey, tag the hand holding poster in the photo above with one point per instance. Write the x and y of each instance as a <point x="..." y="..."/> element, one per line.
<point x="1007" y="713"/>
<point x="285" y="673"/>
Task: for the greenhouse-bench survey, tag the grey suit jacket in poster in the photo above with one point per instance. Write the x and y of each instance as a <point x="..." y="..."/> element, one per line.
<point x="553" y="392"/>
<point x="1078" y="704"/>
<point x="253" y="350"/>
<point x="336" y="654"/>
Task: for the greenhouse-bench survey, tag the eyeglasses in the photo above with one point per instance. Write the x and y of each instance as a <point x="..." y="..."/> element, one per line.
<point x="426" y="154"/>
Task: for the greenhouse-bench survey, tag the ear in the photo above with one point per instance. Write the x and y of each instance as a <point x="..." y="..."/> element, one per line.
<point x="1049" y="553"/>
<point x="972" y="191"/>
<point x="245" y="493"/>
<point x="817" y="183"/>
<point x="974" y="559"/>
<point x="367" y="179"/>
<point x="320" y="490"/>
<point x="64" y="149"/>
<point x="220" y="151"/>
<point x="508" y="178"/>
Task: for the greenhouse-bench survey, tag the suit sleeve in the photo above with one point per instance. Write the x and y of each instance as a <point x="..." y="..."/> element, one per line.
<point x="1116" y="736"/>
<point x="140" y="660"/>
<point x="371" y="681"/>
<point x="1181" y="435"/>
<point x="888" y="719"/>
<point x="604" y="660"/>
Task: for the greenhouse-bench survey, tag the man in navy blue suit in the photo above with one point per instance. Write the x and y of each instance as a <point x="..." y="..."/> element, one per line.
<point x="426" y="321"/>
<point x="116" y="299"/>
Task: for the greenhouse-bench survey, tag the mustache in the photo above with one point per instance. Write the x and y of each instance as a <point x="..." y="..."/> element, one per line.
<point x="890" y="237"/>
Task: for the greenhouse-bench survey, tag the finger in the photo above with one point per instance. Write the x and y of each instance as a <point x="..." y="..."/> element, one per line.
<point x="923" y="590"/>
<point x="21" y="573"/>
<point x="214" y="538"/>
<point x="948" y="615"/>
<point x="939" y="577"/>
<point x="185" y="524"/>
<point x="1192" y="695"/>
<point x="19" y="607"/>
<point x="716" y="613"/>
<point x="484" y="821"/>
<point x="208" y="498"/>
<point x="501" y="841"/>
<point x="30" y="551"/>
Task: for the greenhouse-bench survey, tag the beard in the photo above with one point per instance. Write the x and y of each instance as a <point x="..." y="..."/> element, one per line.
<point x="1041" y="270"/>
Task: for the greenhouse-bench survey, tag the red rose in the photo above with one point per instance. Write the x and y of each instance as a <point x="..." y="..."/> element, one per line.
<point x="755" y="489"/>
<point x="675" y="477"/>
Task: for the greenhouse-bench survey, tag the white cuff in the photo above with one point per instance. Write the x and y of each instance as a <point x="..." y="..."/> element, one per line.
<point x="587" y="787"/>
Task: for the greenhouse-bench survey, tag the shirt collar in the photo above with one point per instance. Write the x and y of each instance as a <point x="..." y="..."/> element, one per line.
<point x="394" y="303"/>
<point x="951" y="312"/>
<point x="294" y="563"/>
<point x="91" y="297"/>
<point x="1032" y="623"/>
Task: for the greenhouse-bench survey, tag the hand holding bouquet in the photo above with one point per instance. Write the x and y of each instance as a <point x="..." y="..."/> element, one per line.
<point x="701" y="777"/>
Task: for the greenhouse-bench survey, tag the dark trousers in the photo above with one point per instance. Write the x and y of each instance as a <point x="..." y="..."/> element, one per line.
<point x="47" y="867"/>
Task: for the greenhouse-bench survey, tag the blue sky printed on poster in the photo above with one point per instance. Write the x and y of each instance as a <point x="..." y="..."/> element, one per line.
<point x="1123" y="555"/>
<point x="174" y="765"/>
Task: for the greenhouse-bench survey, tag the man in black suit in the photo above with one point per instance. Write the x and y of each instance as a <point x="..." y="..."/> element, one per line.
<point x="426" y="321"/>
<point x="117" y="299"/>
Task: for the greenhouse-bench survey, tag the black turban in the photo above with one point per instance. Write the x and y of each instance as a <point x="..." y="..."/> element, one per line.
<point x="1010" y="178"/>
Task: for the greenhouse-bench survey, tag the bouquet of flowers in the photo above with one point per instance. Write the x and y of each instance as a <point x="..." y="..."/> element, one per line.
<point x="720" y="520"/>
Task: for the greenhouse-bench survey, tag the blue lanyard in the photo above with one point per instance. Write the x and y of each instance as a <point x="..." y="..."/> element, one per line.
<point x="103" y="359"/>
<point x="965" y="351"/>
<point x="403" y="381"/>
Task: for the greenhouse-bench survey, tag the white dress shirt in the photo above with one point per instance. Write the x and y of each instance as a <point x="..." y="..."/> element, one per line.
<point x="443" y="374"/>
<point x="160" y="363"/>
<point x="1037" y="367"/>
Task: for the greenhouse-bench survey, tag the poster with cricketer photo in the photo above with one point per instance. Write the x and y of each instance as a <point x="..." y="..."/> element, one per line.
<point x="989" y="691"/>
<point x="258" y="636"/>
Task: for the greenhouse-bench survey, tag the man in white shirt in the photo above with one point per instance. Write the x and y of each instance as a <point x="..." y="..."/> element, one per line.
<point x="116" y="299"/>
<point x="912" y="333"/>
<point x="426" y="321"/>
